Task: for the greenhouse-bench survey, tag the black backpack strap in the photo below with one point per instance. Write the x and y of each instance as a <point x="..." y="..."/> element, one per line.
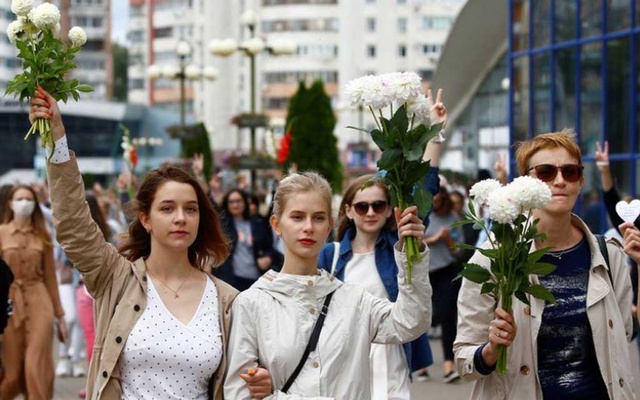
<point x="605" y="253"/>
<point x="313" y="343"/>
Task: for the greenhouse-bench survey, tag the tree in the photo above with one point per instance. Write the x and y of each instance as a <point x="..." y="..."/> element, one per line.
<point x="120" y="62"/>
<point x="311" y="121"/>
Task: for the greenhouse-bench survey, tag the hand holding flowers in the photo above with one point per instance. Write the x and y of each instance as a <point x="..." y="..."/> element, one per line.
<point x="46" y="59"/>
<point x="402" y="138"/>
<point x="511" y="235"/>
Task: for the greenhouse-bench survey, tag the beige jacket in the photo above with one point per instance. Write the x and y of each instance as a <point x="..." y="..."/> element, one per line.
<point x="609" y="315"/>
<point x="117" y="285"/>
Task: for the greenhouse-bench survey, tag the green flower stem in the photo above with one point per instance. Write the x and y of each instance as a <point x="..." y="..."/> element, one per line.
<point x="411" y="246"/>
<point x="375" y="118"/>
<point x="501" y="367"/>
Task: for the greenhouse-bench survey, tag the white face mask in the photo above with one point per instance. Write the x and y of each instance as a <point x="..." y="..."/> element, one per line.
<point x="23" y="207"/>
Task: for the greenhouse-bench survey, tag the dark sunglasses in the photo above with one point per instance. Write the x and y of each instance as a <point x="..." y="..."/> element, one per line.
<point x="362" y="208"/>
<point x="548" y="172"/>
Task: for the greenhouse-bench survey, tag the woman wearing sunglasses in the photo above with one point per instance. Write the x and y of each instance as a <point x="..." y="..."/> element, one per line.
<point x="586" y="331"/>
<point x="366" y="234"/>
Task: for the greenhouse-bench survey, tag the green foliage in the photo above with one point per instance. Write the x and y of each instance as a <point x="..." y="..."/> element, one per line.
<point x="403" y="146"/>
<point x="198" y="142"/>
<point x="46" y="62"/>
<point x="311" y="121"/>
<point x="120" y="58"/>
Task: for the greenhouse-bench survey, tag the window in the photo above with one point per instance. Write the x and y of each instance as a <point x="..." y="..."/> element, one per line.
<point x="371" y="24"/>
<point x="402" y="25"/>
<point x="371" y="51"/>
<point x="402" y="50"/>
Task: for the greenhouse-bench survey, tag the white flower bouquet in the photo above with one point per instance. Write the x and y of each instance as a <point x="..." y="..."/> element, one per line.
<point x="511" y="235"/>
<point x="402" y="138"/>
<point x="46" y="59"/>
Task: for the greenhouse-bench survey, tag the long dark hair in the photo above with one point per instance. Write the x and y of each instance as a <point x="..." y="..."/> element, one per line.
<point x="5" y="197"/>
<point x="98" y="216"/>
<point x="37" y="218"/>
<point x="344" y="222"/>
<point x="211" y="244"/>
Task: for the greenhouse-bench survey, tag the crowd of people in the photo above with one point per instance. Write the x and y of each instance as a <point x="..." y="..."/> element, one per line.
<point x="186" y="291"/>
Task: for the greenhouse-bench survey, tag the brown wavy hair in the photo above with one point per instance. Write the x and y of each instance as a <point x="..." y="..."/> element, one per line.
<point x="344" y="222"/>
<point x="37" y="218"/>
<point x="211" y="244"/>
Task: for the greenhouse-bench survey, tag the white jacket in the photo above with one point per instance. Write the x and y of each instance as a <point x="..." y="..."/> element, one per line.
<point x="272" y="323"/>
<point x="609" y="315"/>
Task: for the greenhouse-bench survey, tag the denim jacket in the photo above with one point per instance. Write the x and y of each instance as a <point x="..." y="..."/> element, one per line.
<point x="418" y="351"/>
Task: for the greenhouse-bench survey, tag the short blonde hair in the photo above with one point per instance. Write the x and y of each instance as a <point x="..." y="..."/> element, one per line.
<point x="303" y="182"/>
<point x="566" y="139"/>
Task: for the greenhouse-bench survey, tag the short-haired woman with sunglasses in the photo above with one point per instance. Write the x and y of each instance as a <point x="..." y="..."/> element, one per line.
<point x="366" y="234"/>
<point x="574" y="349"/>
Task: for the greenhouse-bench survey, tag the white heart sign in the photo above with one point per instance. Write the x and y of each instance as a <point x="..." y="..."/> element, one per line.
<point x="628" y="211"/>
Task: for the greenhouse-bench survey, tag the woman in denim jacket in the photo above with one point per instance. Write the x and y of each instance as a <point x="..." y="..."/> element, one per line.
<point x="366" y="235"/>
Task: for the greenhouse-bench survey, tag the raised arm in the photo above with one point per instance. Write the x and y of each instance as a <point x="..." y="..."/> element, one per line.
<point x="77" y="233"/>
<point x="410" y="315"/>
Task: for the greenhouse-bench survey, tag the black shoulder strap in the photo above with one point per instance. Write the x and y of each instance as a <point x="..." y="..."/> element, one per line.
<point x="313" y="343"/>
<point x="605" y="253"/>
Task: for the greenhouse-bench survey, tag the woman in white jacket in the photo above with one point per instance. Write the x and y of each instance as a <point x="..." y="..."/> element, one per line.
<point x="273" y="320"/>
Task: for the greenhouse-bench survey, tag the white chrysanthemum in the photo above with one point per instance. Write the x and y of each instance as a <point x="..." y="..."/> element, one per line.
<point x="530" y="193"/>
<point x="29" y="27"/>
<point x="419" y="108"/>
<point x="77" y="36"/>
<point x="355" y="89"/>
<point x="56" y="29"/>
<point x="376" y="93"/>
<point x="502" y="207"/>
<point x="480" y="191"/>
<point x="45" y="16"/>
<point x="402" y="86"/>
<point x="21" y="7"/>
<point x="14" y="30"/>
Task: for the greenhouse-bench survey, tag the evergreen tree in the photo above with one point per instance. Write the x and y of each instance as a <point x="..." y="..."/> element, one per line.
<point x="311" y="121"/>
<point x="120" y="72"/>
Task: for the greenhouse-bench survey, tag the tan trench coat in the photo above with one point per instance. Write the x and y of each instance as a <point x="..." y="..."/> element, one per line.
<point x="609" y="315"/>
<point x="117" y="285"/>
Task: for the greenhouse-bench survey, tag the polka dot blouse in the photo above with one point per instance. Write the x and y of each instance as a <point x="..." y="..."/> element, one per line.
<point x="165" y="359"/>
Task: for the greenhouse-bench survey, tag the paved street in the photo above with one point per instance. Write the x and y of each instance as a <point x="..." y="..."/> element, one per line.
<point x="67" y="388"/>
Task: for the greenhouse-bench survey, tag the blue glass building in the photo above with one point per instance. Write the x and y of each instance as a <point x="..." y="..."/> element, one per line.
<point x="536" y="66"/>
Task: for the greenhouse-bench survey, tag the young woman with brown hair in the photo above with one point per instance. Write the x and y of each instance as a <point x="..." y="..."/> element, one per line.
<point x="161" y="322"/>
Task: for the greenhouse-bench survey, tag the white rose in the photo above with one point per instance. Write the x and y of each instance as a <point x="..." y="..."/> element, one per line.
<point x="502" y="207"/>
<point x="14" y="30"/>
<point x="77" y="36"/>
<point x="530" y="193"/>
<point x="45" y="16"/>
<point x="480" y="191"/>
<point x="21" y="7"/>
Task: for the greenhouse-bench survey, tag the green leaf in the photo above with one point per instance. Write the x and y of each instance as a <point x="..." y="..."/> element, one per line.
<point x="379" y="138"/>
<point x="540" y="292"/>
<point x="520" y="295"/>
<point x="424" y="200"/>
<point x="534" y="256"/>
<point x="400" y="121"/>
<point x="389" y="158"/>
<point x="475" y="273"/>
<point x="465" y="246"/>
<point x="490" y="253"/>
<point x="413" y="151"/>
<point x="84" y="88"/>
<point x="488" y="287"/>
<point x="417" y="172"/>
<point x="357" y="129"/>
<point x="539" y="269"/>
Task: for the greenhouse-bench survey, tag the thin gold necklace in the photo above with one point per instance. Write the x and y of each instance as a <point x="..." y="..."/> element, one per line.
<point x="175" y="292"/>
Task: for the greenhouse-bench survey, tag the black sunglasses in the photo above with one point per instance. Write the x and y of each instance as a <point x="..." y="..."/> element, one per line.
<point x="548" y="172"/>
<point x="362" y="207"/>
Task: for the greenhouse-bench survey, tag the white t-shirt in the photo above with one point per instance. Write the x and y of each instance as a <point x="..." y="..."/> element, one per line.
<point x="389" y="372"/>
<point x="166" y="359"/>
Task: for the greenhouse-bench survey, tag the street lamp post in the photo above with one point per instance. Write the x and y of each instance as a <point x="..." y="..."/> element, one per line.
<point x="251" y="48"/>
<point x="148" y="143"/>
<point x="182" y="72"/>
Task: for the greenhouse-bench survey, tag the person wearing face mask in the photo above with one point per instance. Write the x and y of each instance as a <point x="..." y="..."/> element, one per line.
<point x="26" y="246"/>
